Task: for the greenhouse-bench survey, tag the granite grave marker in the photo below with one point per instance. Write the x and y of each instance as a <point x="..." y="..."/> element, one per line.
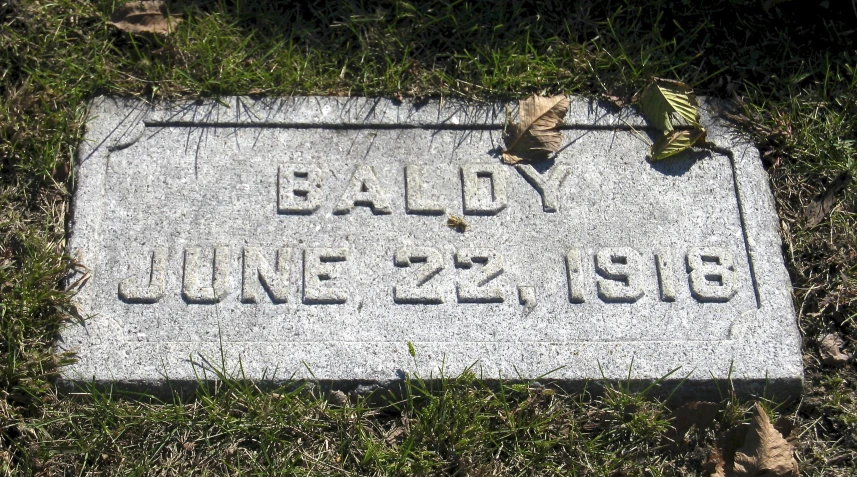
<point x="307" y="238"/>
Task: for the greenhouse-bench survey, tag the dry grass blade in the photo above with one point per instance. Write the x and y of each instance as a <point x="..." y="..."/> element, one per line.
<point x="765" y="451"/>
<point x="675" y="142"/>
<point x="822" y="204"/>
<point x="149" y="16"/>
<point x="662" y="98"/>
<point x="536" y="136"/>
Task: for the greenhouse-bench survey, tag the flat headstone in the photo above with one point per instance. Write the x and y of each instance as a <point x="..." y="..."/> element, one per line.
<point x="308" y="238"/>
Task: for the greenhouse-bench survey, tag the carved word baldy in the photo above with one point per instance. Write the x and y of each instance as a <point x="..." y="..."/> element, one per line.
<point x="301" y="189"/>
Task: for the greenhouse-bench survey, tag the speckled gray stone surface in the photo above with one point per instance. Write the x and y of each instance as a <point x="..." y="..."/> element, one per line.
<point x="306" y="238"/>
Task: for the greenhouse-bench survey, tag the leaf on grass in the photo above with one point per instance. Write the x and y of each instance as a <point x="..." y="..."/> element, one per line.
<point x="662" y="98"/>
<point x="339" y="398"/>
<point x="699" y="414"/>
<point x="788" y="429"/>
<point x="392" y="436"/>
<point x="765" y="452"/>
<point x="715" y="466"/>
<point x="721" y="456"/>
<point x="831" y="353"/>
<point x="536" y="134"/>
<point x="675" y="142"/>
<point x="823" y="203"/>
<point x="149" y="16"/>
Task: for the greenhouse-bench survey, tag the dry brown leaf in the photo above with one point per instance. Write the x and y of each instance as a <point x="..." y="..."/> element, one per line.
<point x="788" y="429"/>
<point x="617" y="101"/>
<point x="831" y="353"/>
<point x="339" y="398"/>
<point x="765" y="452"/>
<point x="457" y="223"/>
<point x="149" y="16"/>
<point x="392" y="436"/>
<point x="731" y="440"/>
<point x="715" y="466"/>
<point x="822" y="204"/>
<point x="536" y="136"/>
<point x="699" y="414"/>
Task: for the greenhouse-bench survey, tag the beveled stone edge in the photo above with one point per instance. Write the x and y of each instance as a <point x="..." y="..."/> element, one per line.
<point x="131" y="118"/>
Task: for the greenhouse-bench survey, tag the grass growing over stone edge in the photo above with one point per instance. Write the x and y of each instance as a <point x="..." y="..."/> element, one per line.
<point x="791" y="76"/>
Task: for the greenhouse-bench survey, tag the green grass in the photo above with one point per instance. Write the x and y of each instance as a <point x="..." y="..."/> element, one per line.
<point x="791" y="75"/>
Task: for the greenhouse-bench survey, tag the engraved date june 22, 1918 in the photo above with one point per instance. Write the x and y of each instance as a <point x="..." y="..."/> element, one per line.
<point x="477" y="275"/>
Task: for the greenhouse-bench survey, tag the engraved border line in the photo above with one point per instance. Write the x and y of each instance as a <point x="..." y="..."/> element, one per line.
<point x="729" y="154"/>
<point x="381" y="126"/>
<point x="461" y="343"/>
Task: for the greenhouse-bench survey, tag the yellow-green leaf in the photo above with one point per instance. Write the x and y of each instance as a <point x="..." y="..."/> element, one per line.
<point x="674" y="142"/>
<point x="661" y="98"/>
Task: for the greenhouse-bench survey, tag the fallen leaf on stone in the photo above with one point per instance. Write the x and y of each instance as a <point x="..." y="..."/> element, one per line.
<point x="149" y="16"/>
<point x="536" y="135"/>
<point x="457" y="223"/>
<point x="698" y="414"/>
<point x="831" y="353"/>
<point x="675" y="142"/>
<point x="823" y="203"/>
<point x="765" y="452"/>
<point x="662" y="98"/>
